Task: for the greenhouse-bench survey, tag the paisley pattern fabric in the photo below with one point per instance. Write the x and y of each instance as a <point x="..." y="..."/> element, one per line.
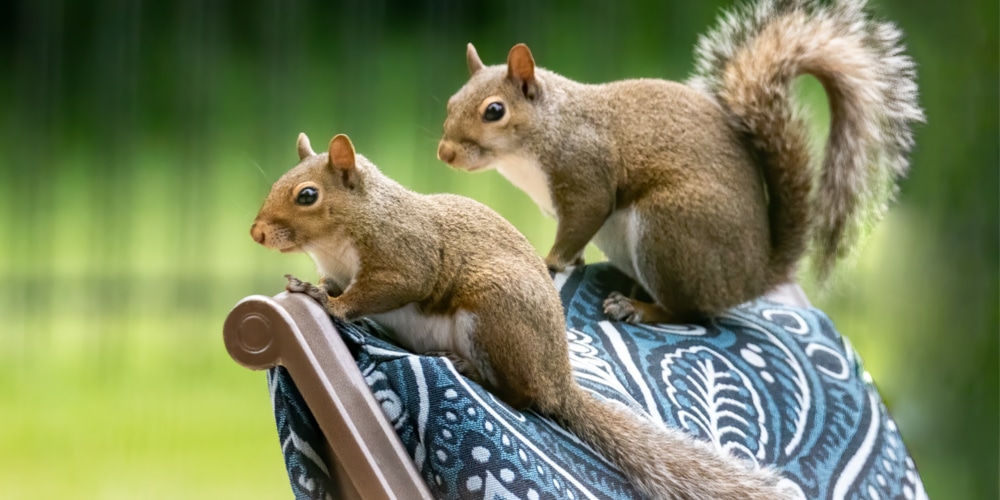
<point x="300" y="437"/>
<point x="767" y="382"/>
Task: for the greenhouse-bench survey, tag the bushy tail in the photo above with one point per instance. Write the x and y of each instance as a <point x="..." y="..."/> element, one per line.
<point x="747" y="64"/>
<point x="663" y="464"/>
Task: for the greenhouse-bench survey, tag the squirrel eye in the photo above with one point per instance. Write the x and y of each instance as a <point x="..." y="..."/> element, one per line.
<point x="494" y="111"/>
<point x="307" y="196"/>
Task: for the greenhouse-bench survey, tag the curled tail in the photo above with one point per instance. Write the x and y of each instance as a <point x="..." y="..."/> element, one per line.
<point x="748" y="63"/>
<point x="662" y="463"/>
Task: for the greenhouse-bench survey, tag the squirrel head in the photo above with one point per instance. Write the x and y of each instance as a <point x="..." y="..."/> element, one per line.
<point x="492" y="111"/>
<point x="315" y="199"/>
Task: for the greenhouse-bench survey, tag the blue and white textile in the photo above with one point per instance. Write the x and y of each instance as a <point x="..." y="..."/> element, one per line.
<point x="767" y="382"/>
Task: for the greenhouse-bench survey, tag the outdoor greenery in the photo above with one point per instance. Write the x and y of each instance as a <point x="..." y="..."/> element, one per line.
<point x="138" y="139"/>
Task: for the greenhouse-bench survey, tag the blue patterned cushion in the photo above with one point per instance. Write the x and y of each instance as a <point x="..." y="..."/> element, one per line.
<point x="770" y="383"/>
<point x="300" y="437"/>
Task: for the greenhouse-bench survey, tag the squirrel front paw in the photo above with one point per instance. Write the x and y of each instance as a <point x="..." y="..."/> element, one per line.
<point x="318" y="294"/>
<point x="558" y="265"/>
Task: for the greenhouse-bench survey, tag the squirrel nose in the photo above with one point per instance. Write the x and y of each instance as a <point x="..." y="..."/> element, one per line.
<point x="446" y="153"/>
<point x="257" y="233"/>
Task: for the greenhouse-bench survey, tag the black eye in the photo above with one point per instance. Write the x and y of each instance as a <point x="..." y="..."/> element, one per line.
<point x="494" y="112"/>
<point x="307" y="196"/>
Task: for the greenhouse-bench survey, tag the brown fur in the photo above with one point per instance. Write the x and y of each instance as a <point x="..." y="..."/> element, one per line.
<point x="717" y="173"/>
<point x="449" y="256"/>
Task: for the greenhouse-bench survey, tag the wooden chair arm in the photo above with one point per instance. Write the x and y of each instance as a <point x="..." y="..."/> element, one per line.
<point x="293" y="331"/>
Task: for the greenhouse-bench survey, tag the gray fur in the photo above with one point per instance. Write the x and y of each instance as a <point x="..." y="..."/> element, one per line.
<point x="874" y="102"/>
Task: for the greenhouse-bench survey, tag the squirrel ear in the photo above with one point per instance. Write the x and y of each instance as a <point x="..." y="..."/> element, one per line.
<point x="521" y="69"/>
<point x="305" y="149"/>
<point x="342" y="160"/>
<point x="472" y="59"/>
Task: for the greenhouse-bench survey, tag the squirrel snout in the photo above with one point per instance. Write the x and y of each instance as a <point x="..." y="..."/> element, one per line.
<point x="446" y="152"/>
<point x="257" y="233"/>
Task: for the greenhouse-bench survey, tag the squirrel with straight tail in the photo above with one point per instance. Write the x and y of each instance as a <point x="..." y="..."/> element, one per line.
<point x="449" y="276"/>
<point x="703" y="192"/>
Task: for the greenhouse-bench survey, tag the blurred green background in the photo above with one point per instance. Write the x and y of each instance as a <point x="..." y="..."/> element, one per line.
<point x="139" y="139"/>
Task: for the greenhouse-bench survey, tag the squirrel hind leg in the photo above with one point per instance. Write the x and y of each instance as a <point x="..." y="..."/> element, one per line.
<point x="463" y="366"/>
<point x="468" y="369"/>
<point x="629" y="310"/>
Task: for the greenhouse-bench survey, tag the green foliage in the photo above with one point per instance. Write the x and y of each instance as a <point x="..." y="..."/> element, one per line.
<point x="140" y="138"/>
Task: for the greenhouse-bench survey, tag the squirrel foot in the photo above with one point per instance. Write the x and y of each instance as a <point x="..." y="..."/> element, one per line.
<point x="556" y="266"/>
<point x="622" y="308"/>
<point x="462" y="365"/>
<point x="318" y="294"/>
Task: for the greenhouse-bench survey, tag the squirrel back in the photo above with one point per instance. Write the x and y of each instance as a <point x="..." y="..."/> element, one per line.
<point x="705" y="192"/>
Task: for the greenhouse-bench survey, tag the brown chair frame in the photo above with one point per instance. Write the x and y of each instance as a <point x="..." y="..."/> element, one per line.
<point x="366" y="458"/>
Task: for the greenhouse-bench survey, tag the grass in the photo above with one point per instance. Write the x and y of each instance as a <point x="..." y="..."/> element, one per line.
<point x="164" y="417"/>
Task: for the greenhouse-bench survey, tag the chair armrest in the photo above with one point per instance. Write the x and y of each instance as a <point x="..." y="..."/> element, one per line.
<point x="293" y="331"/>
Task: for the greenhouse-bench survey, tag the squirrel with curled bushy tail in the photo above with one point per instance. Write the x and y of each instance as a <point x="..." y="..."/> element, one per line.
<point x="703" y="192"/>
<point x="448" y="276"/>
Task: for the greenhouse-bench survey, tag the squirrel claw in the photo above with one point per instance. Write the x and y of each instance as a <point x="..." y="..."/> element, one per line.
<point x="318" y="294"/>
<point x="619" y="307"/>
<point x="294" y="284"/>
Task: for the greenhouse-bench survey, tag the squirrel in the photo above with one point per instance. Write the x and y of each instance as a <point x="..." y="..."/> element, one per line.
<point x="449" y="276"/>
<point x="704" y="193"/>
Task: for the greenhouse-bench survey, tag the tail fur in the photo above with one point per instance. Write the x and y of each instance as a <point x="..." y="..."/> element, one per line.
<point x="747" y="64"/>
<point x="663" y="463"/>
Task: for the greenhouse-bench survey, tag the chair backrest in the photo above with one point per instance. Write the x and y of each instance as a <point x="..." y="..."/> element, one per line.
<point x="291" y="330"/>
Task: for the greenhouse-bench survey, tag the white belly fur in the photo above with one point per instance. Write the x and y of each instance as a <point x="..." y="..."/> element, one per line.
<point x="617" y="239"/>
<point x="526" y="174"/>
<point x="423" y="333"/>
<point x="337" y="259"/>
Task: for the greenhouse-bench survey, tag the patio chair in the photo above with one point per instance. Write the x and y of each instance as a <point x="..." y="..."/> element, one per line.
<point x="770" y="381"/>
